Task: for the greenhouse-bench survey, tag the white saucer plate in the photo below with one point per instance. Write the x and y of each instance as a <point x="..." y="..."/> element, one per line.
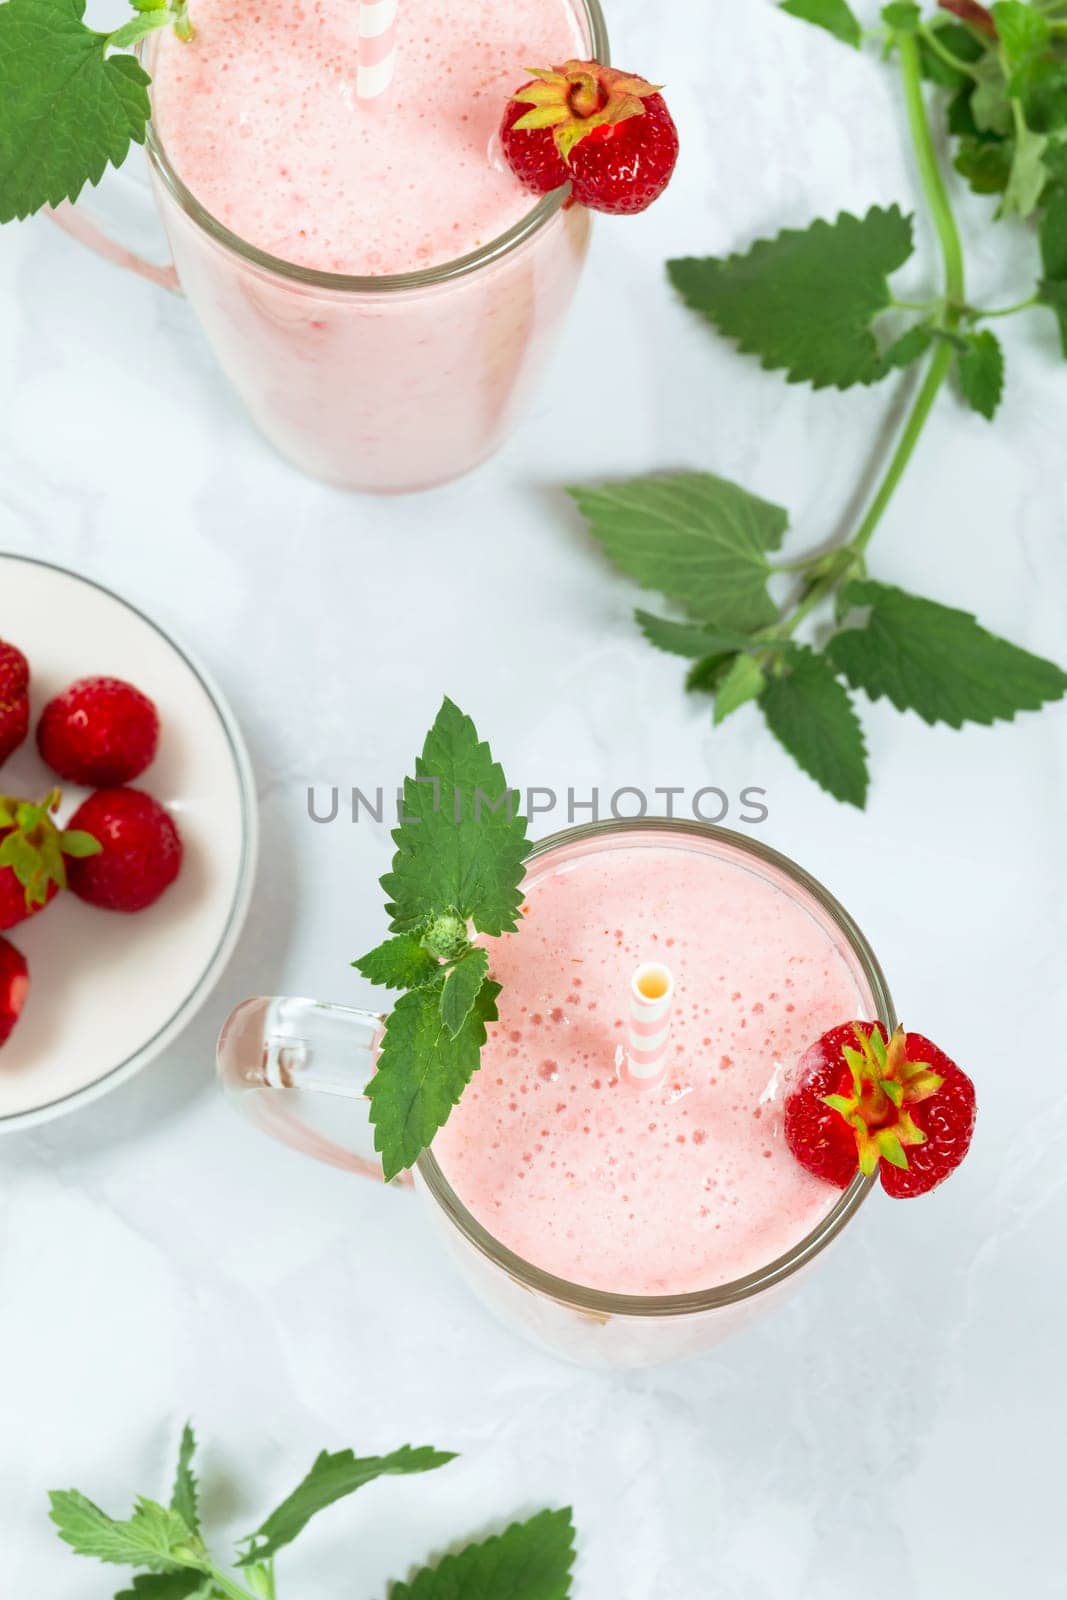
<point x="109" y="992"/>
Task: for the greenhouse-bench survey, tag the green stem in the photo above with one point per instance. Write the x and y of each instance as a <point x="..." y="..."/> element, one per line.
<point x="936" y="374"/>
<point x="955" y="287"/>
<point x="1006" y="311"/>
<point x="930" y="172"/>
<point x="914" y="305"/>
<point x="138" y="27"/>
<point x="852" y="553"/>
<point x="227" y="1586"/>
<point x="949" y="57"/>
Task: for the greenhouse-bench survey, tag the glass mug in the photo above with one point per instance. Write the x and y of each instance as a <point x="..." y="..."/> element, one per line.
<point x="299" y="1067"/>
<point x="388" y="384"/>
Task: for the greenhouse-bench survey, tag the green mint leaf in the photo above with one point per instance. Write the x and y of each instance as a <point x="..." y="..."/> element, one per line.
<point x="460" y="848"/>
<point x="939" y="662"/>
<point x="422" y="1071"/>
<point x="260" y="1580"/>
<point x="743" y="682"/>
<point x="67" y="109"/>
<point x="1029" y="175"/>
<point x="986" y="163"/>
<point x="528" y="1561"/>
<point x="399" y="963"/>
<point x="1056" y="162"/>
<point x="1054" y="295"/>
<point x="697" y="539"/>
<point x="960" y="115"/>
<point x="959" y="42"/>
<point x="332" y="1477"/>
<point x="461" y="989"/>
<point x="1042" y="87"/>
<point x="446" y="937"/>
<point x="806" y="301"/>
<point x="690" y="639"/>
<point x="185" y="1498"/>
<point x="911" y="345"/>
<point x="990" y="102"/>
<point x="187" y="1585"/>
<point x="835" y="16"/>
<point x="1022" y="31"/>
<point x="1053" y="289"/>
<point x="705" y="676"/>
<point x="811" y="715"/>
<point x="138" y="28"/>
<point x="903" y="16"/>
<point x="980" y="371"/>
<point x="153" y="1537"/>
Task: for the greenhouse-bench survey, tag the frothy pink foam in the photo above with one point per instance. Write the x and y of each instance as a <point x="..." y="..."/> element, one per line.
<point x="662" y="1191"/>
<point x="260" y="119"/>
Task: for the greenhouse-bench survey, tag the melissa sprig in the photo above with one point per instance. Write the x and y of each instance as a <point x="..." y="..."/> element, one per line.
<point x="818" y="305"/>
<point x="167" y="1546"/>
<point x="72" y="99"/>
<point x="459" y="865"/>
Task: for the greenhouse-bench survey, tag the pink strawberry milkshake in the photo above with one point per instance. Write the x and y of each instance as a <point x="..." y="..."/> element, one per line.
<point x="688" y="1185"/>
<point x="376" y="282"/>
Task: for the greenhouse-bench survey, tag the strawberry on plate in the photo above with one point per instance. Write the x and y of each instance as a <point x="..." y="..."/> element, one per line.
<point x="100" y="732"/>
<point x="608" y="133"/>
<point x="33" y="856"/>
<point x="14" y="987"/>
<point x="14" y="699"/>
<point x="864" y="1102"/>
<point x="140" y="851"/>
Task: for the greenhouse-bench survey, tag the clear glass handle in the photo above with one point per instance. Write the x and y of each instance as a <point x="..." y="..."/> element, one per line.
<point x="120" y="222"/>
<point x="298" y="1069"/>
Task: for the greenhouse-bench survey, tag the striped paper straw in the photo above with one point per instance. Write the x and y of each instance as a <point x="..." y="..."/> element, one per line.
<point x="377" y="47"/>
<point x="651" y="1005"/>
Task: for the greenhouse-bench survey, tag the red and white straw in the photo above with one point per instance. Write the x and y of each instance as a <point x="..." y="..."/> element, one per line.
<point x="651" y="1006"/>
<point x="377" y="47"/>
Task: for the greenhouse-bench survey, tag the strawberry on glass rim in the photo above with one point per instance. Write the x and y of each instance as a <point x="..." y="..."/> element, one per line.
<point x="864" y="1102"/>
<point x="606" y="133"/>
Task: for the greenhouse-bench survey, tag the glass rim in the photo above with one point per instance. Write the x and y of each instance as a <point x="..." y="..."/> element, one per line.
<point x="388" y="283"/>
<point x="608" y="1303"/>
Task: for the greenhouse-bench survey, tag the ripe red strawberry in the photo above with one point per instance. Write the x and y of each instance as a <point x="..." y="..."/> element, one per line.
<point x="14" y="987"/>
<point x="140" y="854"/>
<point x="608" y="132"/>
<point x="863" y="1101"/>
<point x="33" y="856"/>
<point x="14" y="699"/>
<point x="100" y="732"/>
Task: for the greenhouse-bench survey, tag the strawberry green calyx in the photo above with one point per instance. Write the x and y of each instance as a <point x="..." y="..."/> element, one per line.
<point x="35" y="849"/>
<point x="578" y="98"/>
<point x="884" y="1085"/>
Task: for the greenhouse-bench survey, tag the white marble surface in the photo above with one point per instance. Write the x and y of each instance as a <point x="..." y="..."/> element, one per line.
<point x="896" y="1431"/>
